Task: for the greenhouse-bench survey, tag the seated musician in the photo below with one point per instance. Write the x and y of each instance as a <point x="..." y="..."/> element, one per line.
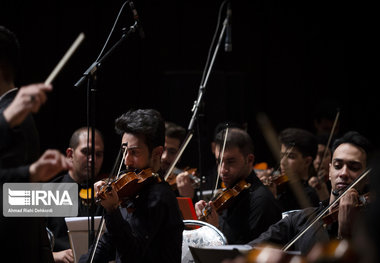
<point x="148" y="226"/>
<point x="320" y="182"/>
<point x="254" y="208"/>
<point x="349" y="161"/>
<point x="298" y="150"/>
<point x="181" y="180"/>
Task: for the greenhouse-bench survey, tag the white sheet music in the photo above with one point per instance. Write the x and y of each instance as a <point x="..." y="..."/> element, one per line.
<point x="78" y="234"/>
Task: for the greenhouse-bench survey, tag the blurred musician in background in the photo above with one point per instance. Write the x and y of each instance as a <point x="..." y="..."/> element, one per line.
<point x="182" y="180"/>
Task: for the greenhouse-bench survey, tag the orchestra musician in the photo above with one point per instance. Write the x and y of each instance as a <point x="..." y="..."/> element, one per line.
<point x="148" y="226"/>
<point x="254" y="208"/>
<point x="77" y="153"/>
<point x="350" y="155"/>
<point x="320" y="181"/>
<point x="174" y="137"/>
<point x="298" y="150"/>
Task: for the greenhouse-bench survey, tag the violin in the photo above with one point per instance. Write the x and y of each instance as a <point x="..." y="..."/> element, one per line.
<point x="128" y="185"/>
<point x="273" y="254"/>
<point x="225" y="198"/>
<point x="333" y="251"/>
<point x="276" y="177"/>
<point x="192" y="174"/>
<point x="333" y="215"/>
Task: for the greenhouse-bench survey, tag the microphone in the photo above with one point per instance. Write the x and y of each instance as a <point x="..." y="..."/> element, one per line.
<point x="137" y="19"/>
<point x="228" y="39"/>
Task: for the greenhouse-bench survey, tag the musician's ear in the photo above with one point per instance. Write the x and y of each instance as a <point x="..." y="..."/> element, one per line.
<point x="308" y="160"/>
<point x="251" y="158"/>
<point x="157" y="152"/>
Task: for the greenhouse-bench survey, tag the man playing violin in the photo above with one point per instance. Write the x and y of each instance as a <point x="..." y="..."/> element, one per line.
<point x="254" y="209"/>
<point x="148" y="226"/>
<point x="77" y="154"/>
<point x="298" y="150"/>
<point x="350" y="155"/>
<point x="174" y="137"/>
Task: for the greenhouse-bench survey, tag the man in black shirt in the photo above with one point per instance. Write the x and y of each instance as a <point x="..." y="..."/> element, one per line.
<point x="77" y="153"/>
<point x="254" y="209"/>
<point x="148" y="227"/>
<point x="349" y="161"/>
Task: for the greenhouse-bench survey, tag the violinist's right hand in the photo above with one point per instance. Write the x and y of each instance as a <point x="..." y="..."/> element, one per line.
<point x="110" y="199"/>
<point x="184" y="185"/>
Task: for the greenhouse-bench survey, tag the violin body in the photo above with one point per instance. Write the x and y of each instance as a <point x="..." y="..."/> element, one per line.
<point x="333" y="215"/>
<point x="225" y="198"/>
<point x="280" y="180"/>
<point x="269" y="253"/>
<point x="128" y="184"/>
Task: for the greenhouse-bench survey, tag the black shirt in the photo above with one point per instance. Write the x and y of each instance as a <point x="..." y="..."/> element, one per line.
<point x="21" y="145"/>
<point x="148" y="230"/>
<point x="286" y="229"/>
<point x="288" y="201"/>
<point x="250" y="214"/>
<point x="24" y="239"/>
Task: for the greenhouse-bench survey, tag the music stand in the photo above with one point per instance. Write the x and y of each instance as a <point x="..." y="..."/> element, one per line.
<point x="216" y="254"/>
<point x="77" y="229"/>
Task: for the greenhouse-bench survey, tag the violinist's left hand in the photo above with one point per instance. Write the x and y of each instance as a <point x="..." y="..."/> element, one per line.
<point x="110" y="202"/>
<point x="185" y="185"/>
<point x="347" y="212"/>
<point x="212" y="216"/>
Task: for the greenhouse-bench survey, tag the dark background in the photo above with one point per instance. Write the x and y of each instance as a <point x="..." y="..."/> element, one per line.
<point x="287" y="57"/>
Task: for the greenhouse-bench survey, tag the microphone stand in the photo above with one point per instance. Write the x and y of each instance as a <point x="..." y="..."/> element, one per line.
<point x="91" y="75"/>
<point x="196" y="106"/>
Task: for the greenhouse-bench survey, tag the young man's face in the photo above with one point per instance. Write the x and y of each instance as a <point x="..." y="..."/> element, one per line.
<point x="234" y="166"/>
<point x="293" y="162"/>
<point x="348" y="163"/>
<point x="170" y="150"/>
<point x="137" y="155"/>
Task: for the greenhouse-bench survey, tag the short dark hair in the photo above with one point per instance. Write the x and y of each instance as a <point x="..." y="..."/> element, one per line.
<point x="223" y="125"/>
<point x="355" y="138"/>
<point x="304" y="141"/>
<point x="146" y="122"/>
<point x="9" y="53"/>
<point x="176" y="131"/>
<point x="74" y="140"/>
<point x="236" y="138"/>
